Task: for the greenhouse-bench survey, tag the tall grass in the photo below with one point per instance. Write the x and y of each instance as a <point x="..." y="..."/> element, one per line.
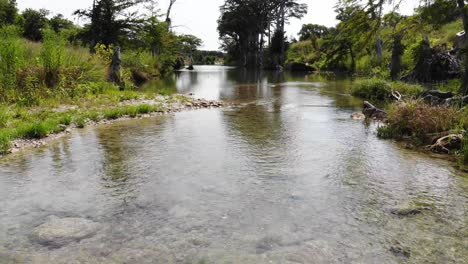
<point x="31" y="73"/>
<point x="419" y="121"/>
<point x="11" y="52"/>
<point x="52" y="56"/>
<point x="4" y="116"/>
<point x="5" y="141"/>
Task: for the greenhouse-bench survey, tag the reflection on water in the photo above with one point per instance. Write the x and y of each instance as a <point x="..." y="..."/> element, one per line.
<point x="286" y="177"/>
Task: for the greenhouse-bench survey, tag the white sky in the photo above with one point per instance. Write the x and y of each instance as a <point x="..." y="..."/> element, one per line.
<point x="199" y="17"/>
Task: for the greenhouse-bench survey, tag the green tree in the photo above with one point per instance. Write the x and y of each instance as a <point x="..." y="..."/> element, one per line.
<point x="8" y="12"/>
<point x="58" y="23"/>
<point x="463" y="9"/>
<point x="111" y="22"/>
<point x="188" y="44"/>
<point x="34" y="23"/>
<point x="309" y="31"/>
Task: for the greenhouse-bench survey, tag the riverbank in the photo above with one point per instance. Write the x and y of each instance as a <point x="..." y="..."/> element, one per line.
<point x="428" y="120"/>
<point x="35" y="127"/>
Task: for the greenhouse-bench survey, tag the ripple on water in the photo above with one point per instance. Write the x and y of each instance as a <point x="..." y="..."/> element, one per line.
<point x="288" y="178"/>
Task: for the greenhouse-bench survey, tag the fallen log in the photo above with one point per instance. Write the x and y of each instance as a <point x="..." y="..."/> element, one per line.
<point x="370" y="111"/>
<point x="439" y="94"/>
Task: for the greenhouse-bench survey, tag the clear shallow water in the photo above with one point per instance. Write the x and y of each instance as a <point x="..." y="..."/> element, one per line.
<point x="286" y="177"/>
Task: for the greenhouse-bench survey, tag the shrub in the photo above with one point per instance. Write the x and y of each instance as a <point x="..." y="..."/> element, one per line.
<point x="407" y="89"/>
<point x="449" y="86"/>
<point x="52" y="56"/>
<point x="4" y="116"/>
<point x="65" y="120"/>
<point x="113" y="113"/>
<point x="381" y="90"/>
<point x="418" y="121"/>
<point x="372" y="89"/>
<point x="93" y="116"/>
<point x="10" y="59"/>
<point x="80" y="121"/>
<point x="35" y="130"/>
<point x="5" y="141"/>
<point x="132" y="111"/>
<point x="145" y="109"/>
<point x="464" y="153"/>
<point x="302" y="52"/>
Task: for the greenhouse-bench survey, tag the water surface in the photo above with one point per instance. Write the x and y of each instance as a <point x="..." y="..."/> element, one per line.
<point x="285" y="177"/>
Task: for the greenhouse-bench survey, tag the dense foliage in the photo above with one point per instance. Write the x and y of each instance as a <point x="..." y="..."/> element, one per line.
<point x="367" y="41"/>
<point x="42" y="57"/>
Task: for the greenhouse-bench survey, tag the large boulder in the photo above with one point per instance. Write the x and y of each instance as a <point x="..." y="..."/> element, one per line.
<point x="58" y="232"/>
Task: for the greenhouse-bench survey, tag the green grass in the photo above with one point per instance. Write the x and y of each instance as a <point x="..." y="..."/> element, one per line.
<point x="36" y="130"/>
<point x="407" y="89"/>
<point x="80" y="121"/>
<point x="66" y="120"/>
<point x="4" y="116"/>
<point x="131" y="111"/>
<point x="40" y="124"/>
<point x="5" y="141"/>
<point x="93" y="115"/>
<point x="113" y="113"/>
<point x="372" y="89"/>
<point x="464" y="153"/>
<point x="145" y="109"/>
<point x="380" y="90"/>
<point x="449" y="86"/>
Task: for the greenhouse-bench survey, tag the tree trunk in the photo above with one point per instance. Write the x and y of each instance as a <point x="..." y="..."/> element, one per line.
<point x="397" y="50"/>
<point x="379" y="44"/>
<point x="353" y="59"/>
<point x="168" y="14"/>
<point x="283" y="21"/>
<point x="464" y="48"/>
<point x="115" y="69"/>
<point x="379" y="51"/>
<point x="260" y="53"/>
<point x="92" y="42"/>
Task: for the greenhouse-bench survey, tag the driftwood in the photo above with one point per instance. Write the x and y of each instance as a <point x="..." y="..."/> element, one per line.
<point x="447" y="144"/>
<point x="397" y="95"/>
<point x="370" y="111"/>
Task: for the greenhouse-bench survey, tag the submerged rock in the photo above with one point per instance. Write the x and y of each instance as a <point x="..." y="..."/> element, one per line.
<point x="58" y="232"/>
<point x="358" y="116"/>
<point x="409" y="210"/>
<point x="400" y="251"/>
<point x="406" y="211"/>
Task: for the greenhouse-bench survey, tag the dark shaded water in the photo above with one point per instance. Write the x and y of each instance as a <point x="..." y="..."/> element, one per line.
<point x="287" y="177"/>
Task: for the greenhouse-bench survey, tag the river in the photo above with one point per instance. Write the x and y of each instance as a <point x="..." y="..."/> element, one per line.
<point x="285" y="176"/>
